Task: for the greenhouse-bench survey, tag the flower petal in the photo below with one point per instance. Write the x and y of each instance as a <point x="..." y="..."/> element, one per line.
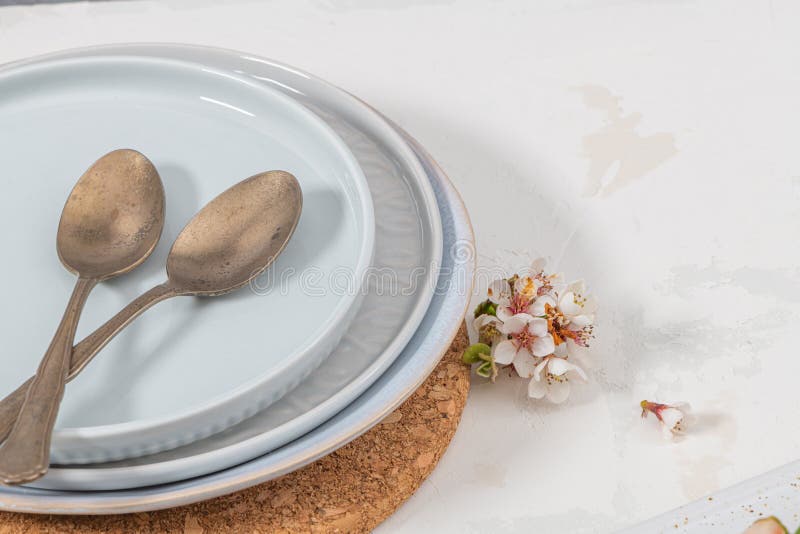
<point x="567" y="304"/>
<point x="498" y="289"/>
<point x="524" y="364"/>
<point x="537" y="389"/>
<point x="558" y="283"/>
<point x="516" y="323"/>
<point x="538" y="265"/>
<point x="558" y="391"/>
<point x="671" y="417"/>
<point x="543" y="346"/>
<point x="578" y="286"/>
<point x="484" y="319"/>
<point x="537" y="373"/>
<point x="578" y="322"/>
<point x="504" y="313"/>
<point x="538" y="327"/>
<point x="560" y="366"/>
<point x="538" y="306"/>
<point x="561" y="350"/>
<point x="590" y="306"/>
<point x="504" y="352"/>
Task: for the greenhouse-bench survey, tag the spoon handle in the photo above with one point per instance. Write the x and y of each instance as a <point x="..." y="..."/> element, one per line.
<point x="83" y="352"/>
<point x="25" y="454"/>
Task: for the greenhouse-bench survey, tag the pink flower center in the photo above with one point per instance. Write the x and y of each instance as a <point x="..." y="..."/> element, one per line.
<point x="519" y="304"/>
<point x="523" y="339"/>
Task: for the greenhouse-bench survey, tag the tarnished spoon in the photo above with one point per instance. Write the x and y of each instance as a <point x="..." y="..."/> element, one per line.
<point x="110" y="224"/>
<point x="228" y="243"/>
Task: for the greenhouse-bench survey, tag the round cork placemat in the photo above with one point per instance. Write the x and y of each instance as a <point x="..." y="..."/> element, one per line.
<point x="351" y="490"/>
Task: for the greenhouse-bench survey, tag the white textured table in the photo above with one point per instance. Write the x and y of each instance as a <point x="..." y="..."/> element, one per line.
<point x="649" y="147"/>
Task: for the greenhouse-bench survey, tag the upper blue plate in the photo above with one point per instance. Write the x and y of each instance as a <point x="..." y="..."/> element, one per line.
<point x="189" y="367"/>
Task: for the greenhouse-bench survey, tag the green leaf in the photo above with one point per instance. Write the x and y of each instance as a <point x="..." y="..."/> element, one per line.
<point x="476" y="353"/>
<point x="485" y="370"/>
<point x="486" y="307"/>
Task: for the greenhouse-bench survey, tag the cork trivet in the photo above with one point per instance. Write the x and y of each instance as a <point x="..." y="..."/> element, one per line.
<point x="350" y="490"/>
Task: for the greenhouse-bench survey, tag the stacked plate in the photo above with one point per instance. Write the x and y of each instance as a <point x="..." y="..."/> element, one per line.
<point x="200" y="398"/>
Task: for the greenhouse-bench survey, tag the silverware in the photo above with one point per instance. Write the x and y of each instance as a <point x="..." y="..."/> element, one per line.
<point x="110" y="224"/>
<point x="228" y="243"/>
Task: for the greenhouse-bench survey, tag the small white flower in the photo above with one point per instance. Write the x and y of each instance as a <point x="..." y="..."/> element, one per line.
<point x="570" y="316"/>
<point x="572" y="303"/>
<point x="528" y="339"/>
<point x="674" y="418"/>
<point x="513" y="296"/>
<point x="551" y="378"/>
<point x="548" y="283"/>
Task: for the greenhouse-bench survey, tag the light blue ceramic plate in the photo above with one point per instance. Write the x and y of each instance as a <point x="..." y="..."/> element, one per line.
<point x="189" y="367"/>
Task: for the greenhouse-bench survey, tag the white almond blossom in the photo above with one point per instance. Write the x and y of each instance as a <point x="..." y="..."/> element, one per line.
<point x="570" y="315"/>
<point x="548" y="283"/>
<point x="528" y="338"/>
<point x="551" y="379"/>
<point x="674" y="418"/>
<point x="513" y="296"/>
<point x="572" y="303"/>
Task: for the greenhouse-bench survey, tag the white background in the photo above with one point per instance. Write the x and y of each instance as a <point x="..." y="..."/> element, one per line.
<point x="649" y="147"/>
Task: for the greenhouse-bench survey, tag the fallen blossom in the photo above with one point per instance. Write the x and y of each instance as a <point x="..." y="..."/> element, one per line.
<point x="674" y="418"/>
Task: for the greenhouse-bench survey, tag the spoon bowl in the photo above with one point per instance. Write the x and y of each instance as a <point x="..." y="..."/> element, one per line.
<point x="235" y="236"/>
<point x="113" y="217"/>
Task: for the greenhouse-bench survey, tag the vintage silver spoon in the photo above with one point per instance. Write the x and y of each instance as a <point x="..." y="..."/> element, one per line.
<point x="228" y="243"/>
<point x="111" y="223"/>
